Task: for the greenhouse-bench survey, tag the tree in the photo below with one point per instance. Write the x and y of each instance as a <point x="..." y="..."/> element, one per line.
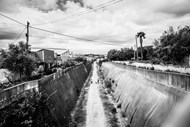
<point x="141" y="35"/>
<point x="18" y="61"/>
<point x="81" y="59"/>
<point x="113" y="54"/>
<point x="174" y="45"/>
<point x="148" y="52"/>
<point x="123" y="54"/>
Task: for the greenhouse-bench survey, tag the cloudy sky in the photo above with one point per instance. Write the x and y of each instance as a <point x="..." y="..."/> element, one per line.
<point x="112" y="24"/>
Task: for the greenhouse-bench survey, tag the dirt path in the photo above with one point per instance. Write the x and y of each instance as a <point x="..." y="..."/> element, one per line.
<point x="95" y="111"/>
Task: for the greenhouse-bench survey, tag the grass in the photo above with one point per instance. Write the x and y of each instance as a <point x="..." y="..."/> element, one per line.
<point x="109" y="108"/>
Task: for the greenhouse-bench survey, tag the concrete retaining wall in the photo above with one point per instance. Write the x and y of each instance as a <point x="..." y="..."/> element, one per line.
<point x="63" y="90"/>
<point x="144" y="102"/>
<point x="7" y="95"/>
<point x="178" y="80"/>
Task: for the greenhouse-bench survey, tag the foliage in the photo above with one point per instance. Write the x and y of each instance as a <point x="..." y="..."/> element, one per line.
<point x="173" y="45"/>
<point x="148" y="52"/>
<point x="123" y="54"/>
<point x="141" y="35"/>
<point x="17" y="60"/>
<point x="33" y="110"/>
<point x="81" y="59"/>
<point x="73" y="62"/>
<point x="68" y="63"/>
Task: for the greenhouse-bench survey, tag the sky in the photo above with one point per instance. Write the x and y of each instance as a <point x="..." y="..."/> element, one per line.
<point x="111" y="24"/>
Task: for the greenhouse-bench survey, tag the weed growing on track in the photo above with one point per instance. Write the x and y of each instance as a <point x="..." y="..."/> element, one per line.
<point x="109" y="108"/>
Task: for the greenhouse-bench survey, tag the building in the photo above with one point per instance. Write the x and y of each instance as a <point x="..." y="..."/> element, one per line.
<point x="67" y="55"/>
<point x="57" y="59"/>
<point x="46" y="56"/>
<point x="34" y="56"/>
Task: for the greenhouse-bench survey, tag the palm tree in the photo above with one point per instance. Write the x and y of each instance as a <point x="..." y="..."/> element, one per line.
<point x="141" y="35"/>
<point x="136" y="46"/>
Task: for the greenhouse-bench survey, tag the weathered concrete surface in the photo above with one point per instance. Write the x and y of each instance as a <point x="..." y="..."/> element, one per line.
<point x="8" y="95"/>
<point x="63" y="89"/>
<point x="145" y="103"/>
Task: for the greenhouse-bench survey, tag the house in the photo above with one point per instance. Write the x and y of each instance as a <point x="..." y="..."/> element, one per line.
<point x="57" y="59"/>
<point x="67" y="55"/>
<point x="34" y="56"/>
<point x="46" y="56"/>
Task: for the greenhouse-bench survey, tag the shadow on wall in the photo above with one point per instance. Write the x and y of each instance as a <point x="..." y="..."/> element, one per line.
<point x="64" y="90"/>
<point x="143" y="102"/>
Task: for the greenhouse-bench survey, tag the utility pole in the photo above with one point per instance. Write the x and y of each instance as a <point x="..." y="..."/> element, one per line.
<point x="27" y="35"/>
<point x="134" y="52"/>
<point x="136" y="47"/>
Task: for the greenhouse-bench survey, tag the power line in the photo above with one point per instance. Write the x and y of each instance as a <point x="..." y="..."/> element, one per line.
<point x="19" y="35"/>
<point x="69" y="39"/>
<point x="12" y="19"/>
<point x="70" y="36"/>
<point x="49" y="48"/>
<point x="84" y="12"/>
<point x="48" y="37"/>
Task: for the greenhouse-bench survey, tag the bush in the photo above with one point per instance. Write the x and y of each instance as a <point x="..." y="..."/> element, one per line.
<point x="34" y="110"/>
<point x="108" y="84"/>
<point x="81" y="59"/>
<point x="68" y="63"/>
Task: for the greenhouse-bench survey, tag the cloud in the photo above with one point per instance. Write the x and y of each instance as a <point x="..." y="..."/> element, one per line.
<point x="10" y="6"/>
<point x="5" y="36"/>
<point x="116" y="24"/>
<point x="176" y="7"/>
<point x="13" y="6"/>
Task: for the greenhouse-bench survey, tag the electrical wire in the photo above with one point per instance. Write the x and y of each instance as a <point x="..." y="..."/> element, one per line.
<point x="12" y="19"/>
<point x="49" y="48"/>
<point x="74" y="37"/>
<point x="70" y="36"/>
<point x="83" y="12"/>
<point x="19" y="35"/>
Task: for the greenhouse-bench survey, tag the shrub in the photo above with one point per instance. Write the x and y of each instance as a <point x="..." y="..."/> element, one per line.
<point x="33" y="110"/>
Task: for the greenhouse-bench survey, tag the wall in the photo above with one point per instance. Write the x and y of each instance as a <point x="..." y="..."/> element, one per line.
<point x="45" y="55"/>
<point x="144" y="103"/>
<point x="9" y="94"/>
<point x="63" y="89"/>
<point x="169" y="67"/>
<point x="178" y="80"/>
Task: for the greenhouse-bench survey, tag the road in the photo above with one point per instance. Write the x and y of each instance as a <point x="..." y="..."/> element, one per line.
<point x="95" y="111"/>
